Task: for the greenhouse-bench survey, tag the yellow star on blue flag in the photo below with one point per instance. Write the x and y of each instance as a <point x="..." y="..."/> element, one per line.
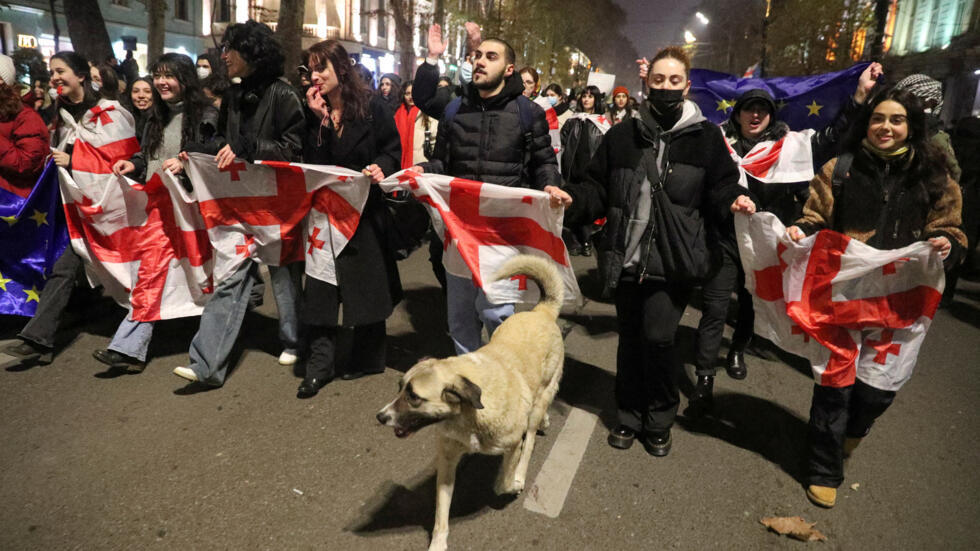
<point x="32" y="294"/>
<point x="3" y="282"/>
<point x="814" y="109"/>
<point x="724" y="104"/>
<point x="40" y="217"/>
<point x="11" y="220"/>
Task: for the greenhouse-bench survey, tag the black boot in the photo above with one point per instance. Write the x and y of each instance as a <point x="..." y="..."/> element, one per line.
<point x="657" y="444"/>
<point x="702" y="398"/>
<point x="28" y="354"/>
<point x="622" y="437"/>
<point x="735" y="364"/>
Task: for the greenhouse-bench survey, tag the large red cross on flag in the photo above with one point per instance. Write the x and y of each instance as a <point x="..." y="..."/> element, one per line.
<point x="148" y="256"/>
<point x="786" y="160"/>
<point x="852" y="310"/>
<point x="484" y="224"/>
<point x="276" y="212"/>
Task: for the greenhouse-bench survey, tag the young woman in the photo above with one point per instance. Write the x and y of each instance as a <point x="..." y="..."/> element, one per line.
<point x="350" y="127"/>
<point x="895" y="192"/>
<point x="178" y="114"/>
<point x="105" y="81"/>
<point x="699" y="175"/>
<point x="70" y="74"/>
<point x="559" y="100"/>
<point x="390" y="90"/>
<point x="417" y="130"/>
<point x="530" y="78"/>
<point x="24" y="143"/>
<point x="621" y="106"/>
<point x="580" y="138"/>
<point x="141" y="100"/>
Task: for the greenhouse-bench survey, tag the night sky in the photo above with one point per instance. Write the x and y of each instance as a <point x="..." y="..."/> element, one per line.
<point x="657" y="23"/>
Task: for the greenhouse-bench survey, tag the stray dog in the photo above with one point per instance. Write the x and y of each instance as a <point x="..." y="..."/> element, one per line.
<point x="491" y="401"/>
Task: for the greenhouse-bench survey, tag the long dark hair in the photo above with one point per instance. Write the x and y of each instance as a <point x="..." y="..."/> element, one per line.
<point x="127" y="101"/>
<point x="161" y="113"/>
<point x="78" y="65"/>
<point x="354" y="93"/>
<point x="405" y="86"/>
<point x="258" y="47"/>
<point x="927" y="162"/>
<point x="599" y="107"/>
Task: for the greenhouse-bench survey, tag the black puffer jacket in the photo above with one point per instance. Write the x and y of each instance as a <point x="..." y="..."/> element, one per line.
<point x="485" y="141"/>
<point x="260" y="121"/>
<point x="701" y="176"/>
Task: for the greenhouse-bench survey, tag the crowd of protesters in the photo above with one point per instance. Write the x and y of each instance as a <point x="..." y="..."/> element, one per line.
<point x="487" y="124"/>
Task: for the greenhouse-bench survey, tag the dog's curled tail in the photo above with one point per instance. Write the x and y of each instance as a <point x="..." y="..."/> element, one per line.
<point x="543" y="272"/>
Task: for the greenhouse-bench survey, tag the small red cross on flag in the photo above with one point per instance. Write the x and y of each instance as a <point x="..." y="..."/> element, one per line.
<point x="234" y="168"/>
<point x="314" y="242"/>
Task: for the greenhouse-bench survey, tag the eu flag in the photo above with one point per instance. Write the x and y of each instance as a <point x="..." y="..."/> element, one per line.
<point x="33" y="234"/>
<point x="801" y="102"/>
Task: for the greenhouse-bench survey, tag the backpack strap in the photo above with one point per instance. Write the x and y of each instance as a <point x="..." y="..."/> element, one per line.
<point x="842" y="172"/>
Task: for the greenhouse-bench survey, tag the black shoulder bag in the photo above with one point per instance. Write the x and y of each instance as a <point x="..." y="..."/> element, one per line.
<point x="678" y="232"/>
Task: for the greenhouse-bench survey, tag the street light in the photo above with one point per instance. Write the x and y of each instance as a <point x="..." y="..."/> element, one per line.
<point x="702" y="18"/>
<point x="689" y="37"/>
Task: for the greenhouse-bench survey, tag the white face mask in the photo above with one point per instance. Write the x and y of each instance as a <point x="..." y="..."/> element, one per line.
<point x="203" y="72"/>
<point x="96" y="86"/>
<point x="466" y="71"/>
<point x="552" y="100"/>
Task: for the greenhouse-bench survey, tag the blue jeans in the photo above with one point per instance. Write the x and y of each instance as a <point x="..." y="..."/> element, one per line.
<point x="469" y="311"/>
<point x="132" y="338"/>
<point x="287" y="283"/>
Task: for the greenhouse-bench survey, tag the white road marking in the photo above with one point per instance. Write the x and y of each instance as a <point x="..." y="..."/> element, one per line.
<point x="547" y="494"/>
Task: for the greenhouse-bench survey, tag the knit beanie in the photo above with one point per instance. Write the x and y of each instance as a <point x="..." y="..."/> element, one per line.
<point x="620" y="90"/>
<point x="7" y="71"/>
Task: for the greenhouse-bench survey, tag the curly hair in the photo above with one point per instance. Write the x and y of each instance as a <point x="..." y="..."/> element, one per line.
<point x="161" y="113"/>
<point x="10" y="103"/>
<point x="258" y="47"/>
<point x="928" y="163"/>
<point x="353" y="92"/>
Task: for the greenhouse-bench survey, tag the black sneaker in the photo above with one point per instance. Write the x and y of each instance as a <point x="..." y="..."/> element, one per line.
<point x="119" y="361"/>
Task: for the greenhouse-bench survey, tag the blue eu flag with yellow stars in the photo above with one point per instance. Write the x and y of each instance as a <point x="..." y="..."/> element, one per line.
<point x="33" y="234"/>
<point x="801" y="102"/>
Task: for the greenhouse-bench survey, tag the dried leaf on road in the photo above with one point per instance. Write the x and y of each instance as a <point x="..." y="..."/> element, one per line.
<point x="794" y="527"/>
<point x="855" y="486"/>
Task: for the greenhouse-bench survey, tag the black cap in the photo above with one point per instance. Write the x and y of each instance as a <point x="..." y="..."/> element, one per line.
<point x="754" y="95"/>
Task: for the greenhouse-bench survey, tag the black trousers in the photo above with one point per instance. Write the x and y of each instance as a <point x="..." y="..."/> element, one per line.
<point x="835" y="414"/>
<point x="647" y="367"/>
<point x="716" y="294"/>
<point x="367" y="351"/>
<point x="54" y="298"/>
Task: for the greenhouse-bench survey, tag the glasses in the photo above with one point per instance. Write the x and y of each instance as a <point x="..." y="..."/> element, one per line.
<point x="224" y="47"/>
<point x="303" y="70"/>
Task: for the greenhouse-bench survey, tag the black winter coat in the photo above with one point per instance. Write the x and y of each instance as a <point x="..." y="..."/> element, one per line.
<point x="367" y="275"/>
<point x="260" y="121"/>
<point x="701" y="175"/>
<point x="578" y="133"/>
<point x="485" y="141"/>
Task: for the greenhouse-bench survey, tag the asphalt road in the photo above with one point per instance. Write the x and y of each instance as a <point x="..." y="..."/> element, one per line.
<point x="91" y="459"/>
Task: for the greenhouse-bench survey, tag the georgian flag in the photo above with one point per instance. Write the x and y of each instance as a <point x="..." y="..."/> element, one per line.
<point x="549" y="113"/>
<point x="786" y="160"/>
<point x="276" y="212"/>
<point x="485" y="224"/>
<point x="127" y="233"/>
<point x="600" y="121"/>
<point x="852" y="310"/>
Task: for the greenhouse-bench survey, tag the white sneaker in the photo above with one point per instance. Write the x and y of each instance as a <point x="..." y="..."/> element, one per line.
<point x="186" y="373"/>
<point x="287" y="358"/>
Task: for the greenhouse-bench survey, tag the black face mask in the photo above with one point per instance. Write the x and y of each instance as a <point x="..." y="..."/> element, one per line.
<point x="665" y="101"/>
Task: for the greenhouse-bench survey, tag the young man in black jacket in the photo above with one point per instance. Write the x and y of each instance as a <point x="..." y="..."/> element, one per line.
<point x="485" y="141"/>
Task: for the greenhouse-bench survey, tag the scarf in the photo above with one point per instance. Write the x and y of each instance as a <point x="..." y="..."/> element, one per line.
<point x="884" y="154"/>
<point x="405" y="121"/>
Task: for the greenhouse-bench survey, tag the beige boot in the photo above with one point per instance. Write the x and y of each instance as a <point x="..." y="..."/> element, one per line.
<point x="850" y="443"/>
<point x="823" y="496"/>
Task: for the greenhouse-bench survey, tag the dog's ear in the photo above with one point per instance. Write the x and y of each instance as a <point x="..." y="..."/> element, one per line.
<point x="463" y="391"/>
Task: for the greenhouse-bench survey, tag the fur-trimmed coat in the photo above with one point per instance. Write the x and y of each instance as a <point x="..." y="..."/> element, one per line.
<point x="881" y="204"/>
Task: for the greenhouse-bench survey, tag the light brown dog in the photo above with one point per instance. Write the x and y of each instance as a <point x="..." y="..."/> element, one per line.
<point x="491" y="401"/>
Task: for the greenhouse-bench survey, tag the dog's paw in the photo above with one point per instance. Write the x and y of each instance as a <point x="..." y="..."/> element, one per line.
<point x="439" y="542"/>
<point x="545" y="422"/>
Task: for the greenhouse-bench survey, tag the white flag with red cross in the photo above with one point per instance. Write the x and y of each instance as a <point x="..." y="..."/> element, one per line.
<point x="854" y="311"/>
<point x="148" y="256"/>
<point x="552" y="117"/>
<point x="783" y="161"/>
<point x="276" y="212"/>
<point x="483" y="225"/>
